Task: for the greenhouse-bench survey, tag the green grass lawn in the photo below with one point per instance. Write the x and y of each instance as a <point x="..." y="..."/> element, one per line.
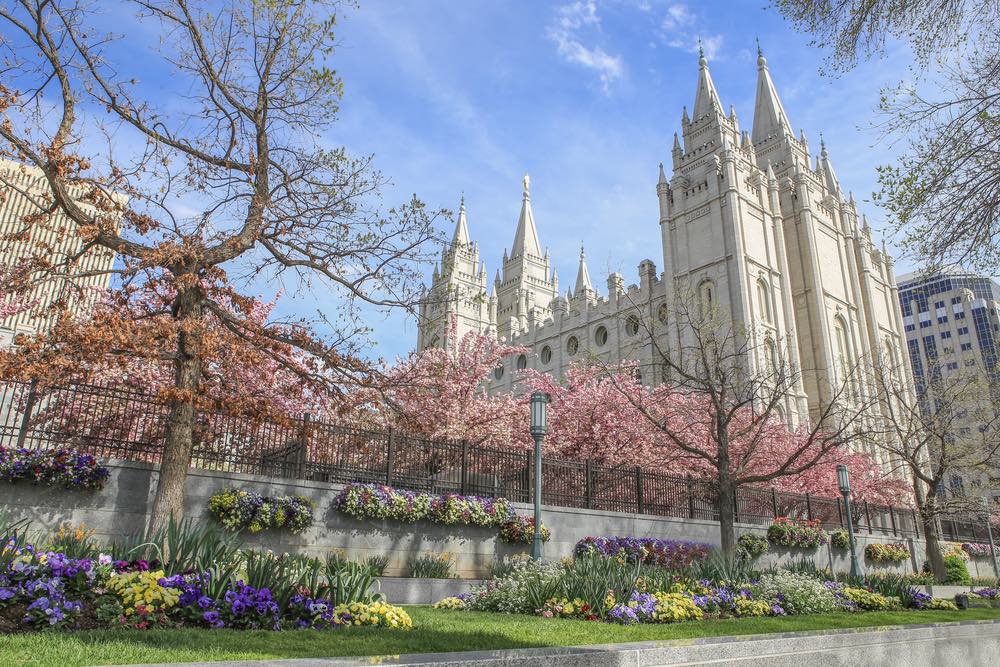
<point x="435" y="630"/>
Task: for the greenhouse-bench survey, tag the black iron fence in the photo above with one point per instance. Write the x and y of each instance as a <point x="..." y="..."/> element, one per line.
<point x="127" y="424"/>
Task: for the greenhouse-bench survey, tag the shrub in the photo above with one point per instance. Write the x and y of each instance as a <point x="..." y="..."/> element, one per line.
<point x="431" y="566"/>
<point x="671" y="554"/>
<point x="887" y="553"/>
<point x="57" y="467"/>
<point x="797" y="593"/>
<point x="790" y="533"/>
<point x="522" y="589"/>
<point x="956" y="572"/>
<point x="977" y="550"/>
<point x="840" y="539"/>
<point x="249" y="510"/>
<point x="749" y="546"/>
<point x="521" y="530"/>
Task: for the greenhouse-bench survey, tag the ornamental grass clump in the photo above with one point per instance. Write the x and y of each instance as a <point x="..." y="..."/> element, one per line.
<point x="431" y="566"/>
<point x="55" y="467"/>
<point x="249" y="510"/>
<point x="887" y="553"/>
<point x="670" y="554"/>
<point x="793" y="534"/>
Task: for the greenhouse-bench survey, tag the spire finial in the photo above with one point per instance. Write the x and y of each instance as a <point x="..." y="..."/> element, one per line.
<point x="822" y="145"/>
<point x="527" y="182"/>
<point x="583" y="254"/>
<point x="461" y="203"/>
<point x="701" y="54"/>
<point x="761" y="60"/>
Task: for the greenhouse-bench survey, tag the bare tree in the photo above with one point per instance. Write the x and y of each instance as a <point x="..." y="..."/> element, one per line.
<point x="726" y="399"/>
<point x="231" y="183"/>
<point x="951" y="425"/>
<point x="943" y="193"/>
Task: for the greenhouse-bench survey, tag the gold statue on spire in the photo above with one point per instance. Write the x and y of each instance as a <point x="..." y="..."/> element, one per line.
<point x="527" y="182"/>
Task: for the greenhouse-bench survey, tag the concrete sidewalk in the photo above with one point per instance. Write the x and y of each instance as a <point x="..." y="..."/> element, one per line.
<point x="962" y="644"/>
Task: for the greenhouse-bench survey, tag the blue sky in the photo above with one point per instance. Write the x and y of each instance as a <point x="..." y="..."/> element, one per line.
<point x="585" y="96"/>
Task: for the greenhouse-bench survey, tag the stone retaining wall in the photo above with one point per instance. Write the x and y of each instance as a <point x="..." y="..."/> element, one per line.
<point x="121" y="508"/>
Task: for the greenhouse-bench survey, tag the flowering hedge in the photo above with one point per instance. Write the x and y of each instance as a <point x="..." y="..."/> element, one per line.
<point x="240" y="510"/>
<point x="790" y="533"/>
<point x="62" y="467"/>
<point x="671" y="554"/>
<point x="887" y="553"/>
<point x="521" y="530"/>
<point x="376" y="501"/>
<point x="977" y="550"/>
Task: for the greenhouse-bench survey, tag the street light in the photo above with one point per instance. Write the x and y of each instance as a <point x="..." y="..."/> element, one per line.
<point x="539" y="426"/>
<point x="844" y="482"/>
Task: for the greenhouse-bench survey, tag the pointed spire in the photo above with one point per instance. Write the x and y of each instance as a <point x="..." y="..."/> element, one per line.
<point x="677" y="143"/>
<point x="461" y="236"/>
<point x="769" y="117"/>
<point x="583" y="275"/>
<point x="745" y="141"/>
<point x="706" y="99"/>
<point x="526" y="236"/>
<point x="663" y="177"/>
<point x="829" y="175"/>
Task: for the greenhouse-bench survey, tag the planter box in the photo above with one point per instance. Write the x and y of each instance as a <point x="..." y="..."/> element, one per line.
<point x="409" y="590"/>
<point x="946" y="592"/>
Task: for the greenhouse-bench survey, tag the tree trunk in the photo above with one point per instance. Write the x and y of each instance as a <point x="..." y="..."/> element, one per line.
<point x="727" y="517"/>
<point x="182" y="417"/>
<point x="932" y="546"/>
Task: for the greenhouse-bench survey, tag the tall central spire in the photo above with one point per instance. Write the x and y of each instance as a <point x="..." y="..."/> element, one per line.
<point x="769" y="117"/>
<point x="583" y="284"/>
<point x="706" y="99"/>
<point x="461" y="236"/>
<point x="526" y="236"/>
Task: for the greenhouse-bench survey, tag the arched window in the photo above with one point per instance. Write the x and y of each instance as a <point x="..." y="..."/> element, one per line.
<point x="706" y="297"/>
<point x="770" y="355"/>
<point x="632" y="325"/>
<point x="763" y="302"/>
<point x="498" y="372"/>
<point x="546" y="354"/>
<point x="522" y="362"/>
<point x="779" y="413"/>
<point x="844" y="361"/>
<point x="601" y="336"/>
<point x="572" y="346"/>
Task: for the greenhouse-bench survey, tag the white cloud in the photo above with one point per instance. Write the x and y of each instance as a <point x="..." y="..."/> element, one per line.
<point x="572" y="20"/>
<point x="680" y="30"/>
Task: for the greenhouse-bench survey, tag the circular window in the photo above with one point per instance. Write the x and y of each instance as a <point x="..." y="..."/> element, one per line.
<point x="601" y="336"/>
<point x="498" y="372"/>
<point x="522" y="362"/>
<point x="632" y="325"/>
<point x="572" y="346"/>
<point x="662" y="313"/>
<point x="546" y="354"/>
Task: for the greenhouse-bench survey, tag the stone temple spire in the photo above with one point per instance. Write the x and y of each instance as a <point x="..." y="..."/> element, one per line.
<point x="461" y="236"/>
<point x="769" y="117"/>
<point x="706" y="99"/>
<point x="526" y="236"/>
<point x="583" y="285"/>
<point x="829" y="175"/>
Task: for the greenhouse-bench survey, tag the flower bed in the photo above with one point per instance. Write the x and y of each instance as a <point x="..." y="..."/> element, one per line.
<point x="789" y="533"/>
<point x="61" y="467"/>
<point x="521" y="530"/>
<point x="249" y="510"/>
<point x="886" y="553"/>
<point x="840" y="539"/>
<point x="671" y="554"/>
<point x="977" y="550"/>
<point x="376" y="501"/>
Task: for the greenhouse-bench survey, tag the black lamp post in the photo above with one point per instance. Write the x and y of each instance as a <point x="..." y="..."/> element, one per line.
<point x="539" y="426"/>
<point x="844" y="482"/>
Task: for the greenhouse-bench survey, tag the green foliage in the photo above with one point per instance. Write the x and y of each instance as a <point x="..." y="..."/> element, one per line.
<point x="796" y="534"/>
<point x="237" y="510"/>
<point x="750" y="546"/>
<point x="75" y="542"/>
<point x="189" y="546"/>
<point x="502" y="567"/>
<point x="870" y="600"/>
<point x="808" y="567"/>
<point x="521" y="587"/>
<point x="840" y="539"/>
<point x="956" y="571"/>
<point x="376" y="564"/>
<point x="886" y="553"/>
<point x="592" y="578"/>
<point x="349" y="583"/>
<point x="431" y="566"/>
<point x="718" y="568"/>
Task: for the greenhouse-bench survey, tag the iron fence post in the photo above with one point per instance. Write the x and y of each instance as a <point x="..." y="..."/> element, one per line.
<point x="809" y="508"/>
<point x="638" y="490"/>
<point x="464" y="479"/>
<point x="29" y="407"/>
<point x="868" y="518"/>
<point x="774" y="503"/>
<point x="390" y="455"/>
<point x="300" y="454"/>
<point x="892" y="518"/>
<point x="916" y="526"/>
<point x="587" y="488"/>
<point x="690" y="495"/>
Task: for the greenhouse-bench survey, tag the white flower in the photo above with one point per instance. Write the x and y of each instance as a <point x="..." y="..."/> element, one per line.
<point x="103" y="559"/>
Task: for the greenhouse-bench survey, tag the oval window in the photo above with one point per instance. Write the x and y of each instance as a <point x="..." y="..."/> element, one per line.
<point x="546" y="354"/>
<point x="601" y="336"/>
<point x="498" y="372"/>
<point x="572" y="346"/>
<point x="522" y="362"/>
<point x="632" y="325"/>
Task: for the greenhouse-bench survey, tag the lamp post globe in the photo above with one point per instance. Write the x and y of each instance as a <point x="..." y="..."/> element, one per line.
<point x="539" y="427"/>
